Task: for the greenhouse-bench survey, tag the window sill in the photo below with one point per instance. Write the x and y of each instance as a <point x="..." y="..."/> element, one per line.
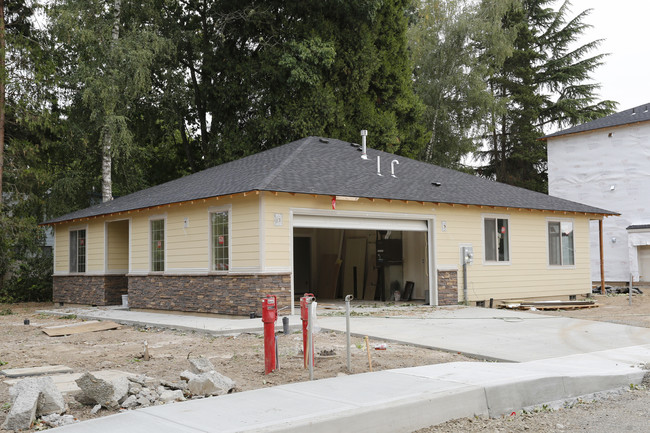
<point x="508" y="263"/>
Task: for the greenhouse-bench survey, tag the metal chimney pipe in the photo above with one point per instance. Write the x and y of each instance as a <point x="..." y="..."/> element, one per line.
<point x="392" y="167"/>
<point x="364" y="154"/>
<point x="379" y="166"/>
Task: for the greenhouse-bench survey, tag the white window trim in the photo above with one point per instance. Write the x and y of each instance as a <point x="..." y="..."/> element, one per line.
<point x="548" y="252"/>
<point x="156" y="218"/>
<point x="74" y="229"/>
<point x="218" y="209"/>
<point x="485" y="216"/>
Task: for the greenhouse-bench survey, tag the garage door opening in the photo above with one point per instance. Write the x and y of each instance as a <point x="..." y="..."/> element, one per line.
<point x="368" y="264"/>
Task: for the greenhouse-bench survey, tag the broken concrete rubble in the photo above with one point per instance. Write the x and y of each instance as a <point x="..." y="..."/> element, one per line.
<point x="187" y="375"/>
<point x="130" y="402"/>
<point x="210" y="383"/>
<point x="56" y="420"/>
<point x="167" y="396"/>
<point x="32" y="397"/>
<point x="108" y="394"/>
<point x="200" y="365"/>
<point x="202" y="379"/>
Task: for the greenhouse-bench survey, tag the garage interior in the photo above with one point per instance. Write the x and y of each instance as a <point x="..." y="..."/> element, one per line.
<point x="371" y="265"/>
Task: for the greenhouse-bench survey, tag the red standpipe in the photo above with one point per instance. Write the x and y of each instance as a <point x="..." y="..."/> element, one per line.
<point x="304" y="316"/>
<point x="269" y="316"/>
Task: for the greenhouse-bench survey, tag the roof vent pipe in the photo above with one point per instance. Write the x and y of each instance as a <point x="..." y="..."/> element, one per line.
<point x="392" y="167"/>
<point x="364" y="154"/>
<point x="379" y="166"/>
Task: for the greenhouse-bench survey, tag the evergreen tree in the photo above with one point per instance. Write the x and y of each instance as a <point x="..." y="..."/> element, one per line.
<point x="26" y="124"/>
<point x="545" y="82"/>
<point x="260" y="74"/>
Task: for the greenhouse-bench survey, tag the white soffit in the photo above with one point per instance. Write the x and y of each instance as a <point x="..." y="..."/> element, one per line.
<point x="356" y="223"/>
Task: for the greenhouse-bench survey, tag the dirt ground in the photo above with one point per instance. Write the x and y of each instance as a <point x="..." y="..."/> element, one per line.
<point x="240" y="357"/>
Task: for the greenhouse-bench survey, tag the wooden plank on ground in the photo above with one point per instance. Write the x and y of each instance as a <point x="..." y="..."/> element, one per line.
<point x="35" y="371"/>
<point x="79" y="328"/>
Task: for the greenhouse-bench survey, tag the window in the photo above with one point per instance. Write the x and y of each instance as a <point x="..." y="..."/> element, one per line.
<point x="497" y="248"/>
<point x="78" y="251"/>
<point x="220" y="241"/>
<point x="158" y="245"/>
<point x="560" y="243"/>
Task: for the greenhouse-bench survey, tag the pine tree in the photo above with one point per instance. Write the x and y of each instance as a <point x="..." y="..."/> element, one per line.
<point x="545" y="82"/>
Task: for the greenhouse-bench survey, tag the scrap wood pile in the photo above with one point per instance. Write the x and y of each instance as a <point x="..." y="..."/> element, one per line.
<point x="547" y="305"/>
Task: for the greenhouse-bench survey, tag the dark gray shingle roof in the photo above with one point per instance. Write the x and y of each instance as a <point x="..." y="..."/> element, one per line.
<point x="315" y="165"/>
<point x="633" y="115"/>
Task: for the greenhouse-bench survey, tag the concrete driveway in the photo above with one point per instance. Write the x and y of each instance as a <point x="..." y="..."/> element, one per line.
<point x="502" y="335"/>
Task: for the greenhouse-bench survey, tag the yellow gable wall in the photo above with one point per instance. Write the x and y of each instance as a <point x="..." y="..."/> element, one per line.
<point x="527" y="274"/>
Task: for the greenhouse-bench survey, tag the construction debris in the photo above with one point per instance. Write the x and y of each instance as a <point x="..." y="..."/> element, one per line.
<point x="200" y="365"/>
<point x="203" y="379"/>
<point x="32" y="397"/>
<point x="210" y="383"/>
<point x="56" y="420"/>
<point x="547" y="305"/>
<point x="79" y="328"/>
<point x="617" y="290"/>
<point x="36" y="371"/>
<point x="142" y="391"/>
<point x="98" y="391"/>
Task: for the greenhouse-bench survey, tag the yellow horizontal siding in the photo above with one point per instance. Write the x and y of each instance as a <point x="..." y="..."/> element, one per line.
<point x="118" y="245"/>
<point x="62" y="248"/>
<point x="189" y="248"/>
<point x="95" y="247"/>
<point x="527" y="275"/>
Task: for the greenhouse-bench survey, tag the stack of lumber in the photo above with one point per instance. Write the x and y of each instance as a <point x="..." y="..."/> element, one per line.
<point x="547" y="305"/>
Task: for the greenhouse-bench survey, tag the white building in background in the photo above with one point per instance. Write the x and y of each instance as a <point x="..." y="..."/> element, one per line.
<point x="606" y="163"/>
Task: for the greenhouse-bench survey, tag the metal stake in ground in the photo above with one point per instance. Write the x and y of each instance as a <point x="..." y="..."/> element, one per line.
<point x="310" y="337"/>
<point x="348" y="298"/>
<point x="630" y="291"/>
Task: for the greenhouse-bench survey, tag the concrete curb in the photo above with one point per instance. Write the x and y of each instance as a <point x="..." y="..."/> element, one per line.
<point x="389" y="401"/>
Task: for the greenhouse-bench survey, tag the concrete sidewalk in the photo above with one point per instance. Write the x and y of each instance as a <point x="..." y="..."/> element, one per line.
<point x="484" y="333"/>
<point x="389" y="401"/>
<point x="555" y="359"/>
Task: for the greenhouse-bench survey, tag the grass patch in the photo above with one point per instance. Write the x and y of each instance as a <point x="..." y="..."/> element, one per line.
<point x="6" y="312"/>
<point x="68" y="317"/>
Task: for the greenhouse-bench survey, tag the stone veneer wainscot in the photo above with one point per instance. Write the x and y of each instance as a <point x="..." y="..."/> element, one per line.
<point x="447" y="287"/>
<point x="220" y="294"/>
<point x="89" y="289"/>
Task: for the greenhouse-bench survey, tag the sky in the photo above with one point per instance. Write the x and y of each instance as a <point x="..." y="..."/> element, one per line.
<point x="623" y="24"/>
